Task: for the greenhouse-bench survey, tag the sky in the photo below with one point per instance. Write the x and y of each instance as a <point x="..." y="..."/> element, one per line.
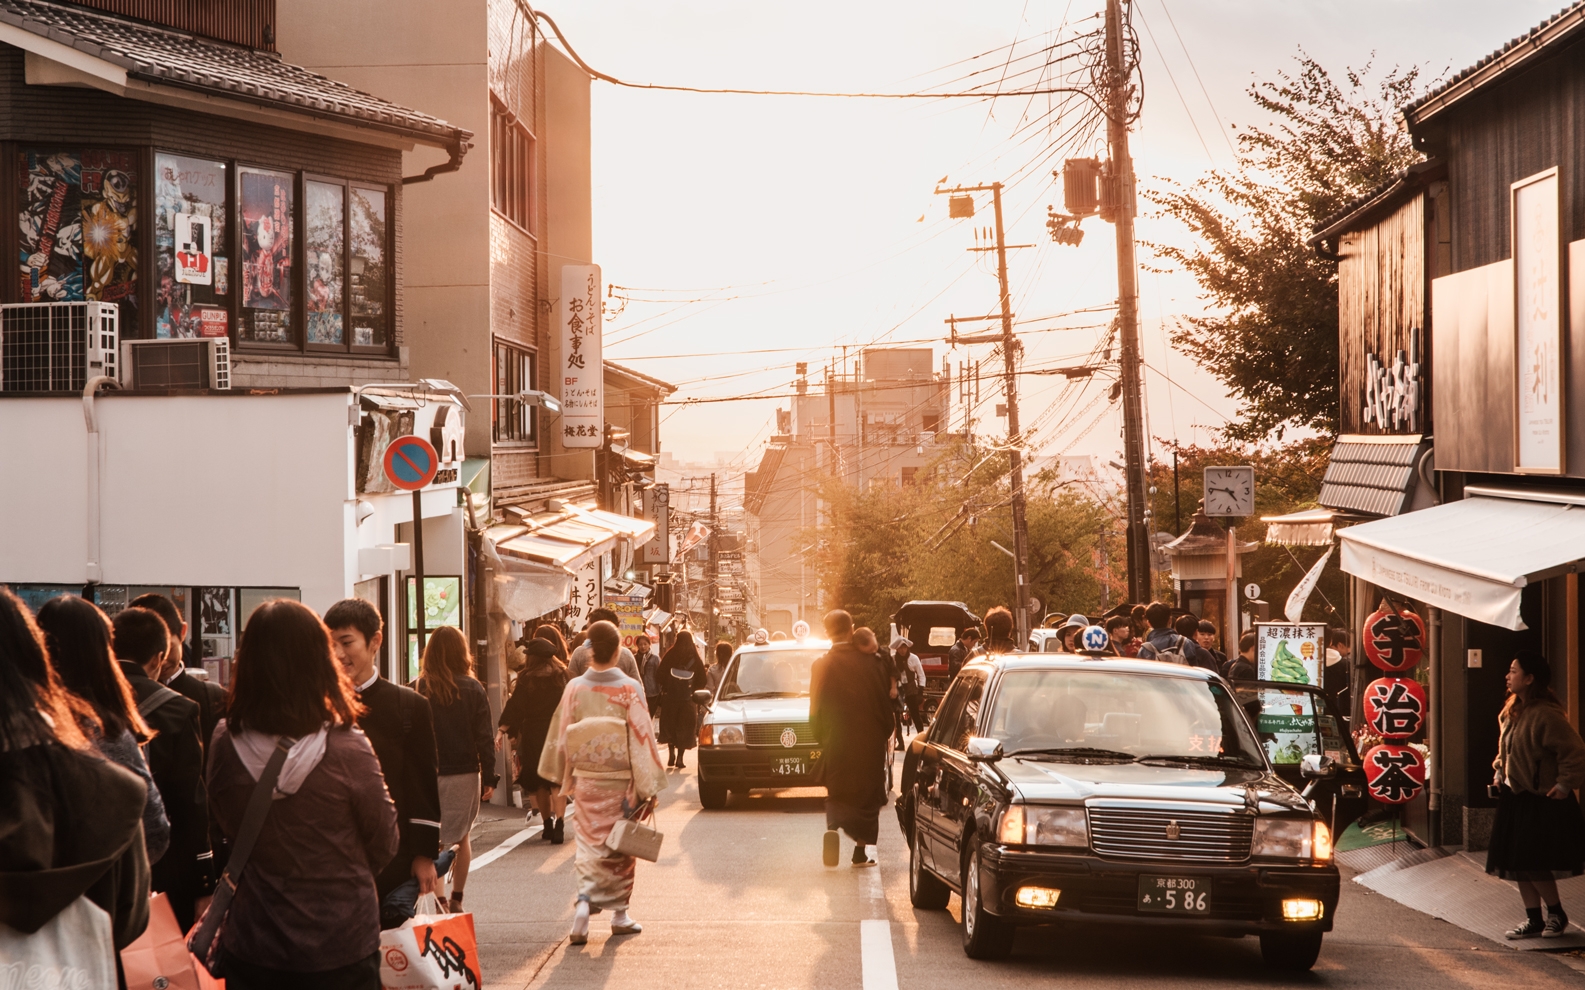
<point x="791" y="226"/>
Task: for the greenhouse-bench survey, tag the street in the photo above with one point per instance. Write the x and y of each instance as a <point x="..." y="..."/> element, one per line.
<point x="739" y="899"/>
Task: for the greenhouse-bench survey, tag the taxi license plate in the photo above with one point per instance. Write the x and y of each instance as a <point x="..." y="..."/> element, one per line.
<point x="1174" y="895"/>
<point x="790" y="766"/>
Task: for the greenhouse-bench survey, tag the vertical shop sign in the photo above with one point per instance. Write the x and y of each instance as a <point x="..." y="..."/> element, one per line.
<point x="1538" y="324"/>
<point x="581" y="372"/>
<point x="1292" y="652"/>
<point x="657" y="509"/>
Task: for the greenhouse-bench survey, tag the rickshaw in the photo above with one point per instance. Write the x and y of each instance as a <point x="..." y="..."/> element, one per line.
<point x="933" y="627"/>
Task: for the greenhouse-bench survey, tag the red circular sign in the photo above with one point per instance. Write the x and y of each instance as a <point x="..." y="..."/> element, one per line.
<point x="1396" y="774"/>
<point x="410" y="463"/>
<point x="1395" y="707"/>
<point x="1394" y="640"/>
<point x="396" y="959"/>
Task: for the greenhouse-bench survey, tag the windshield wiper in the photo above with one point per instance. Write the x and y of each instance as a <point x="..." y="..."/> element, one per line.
<point x="1077" y="751"/>
<point x="765" y="694"/>
<point x="1225" y="761"/>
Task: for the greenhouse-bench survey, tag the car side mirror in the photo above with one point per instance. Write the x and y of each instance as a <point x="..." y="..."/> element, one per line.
<point x="981" y="749"/>
<point x="702" y="697"/>
<point x="1317" y="767"/>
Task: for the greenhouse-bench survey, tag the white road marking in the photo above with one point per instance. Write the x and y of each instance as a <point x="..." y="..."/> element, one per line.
<point x="880" y="966"/>
<point x="512" y="842"/>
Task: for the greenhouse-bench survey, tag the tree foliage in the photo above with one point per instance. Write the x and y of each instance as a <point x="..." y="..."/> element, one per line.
<point x="1274" y="341"/>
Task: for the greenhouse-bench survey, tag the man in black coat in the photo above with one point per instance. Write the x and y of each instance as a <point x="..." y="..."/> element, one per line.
<point x="850" y="712"/>
<point x="178" y="676"/>
<point x="401" y="729"/>
<point x="176" y="761"/>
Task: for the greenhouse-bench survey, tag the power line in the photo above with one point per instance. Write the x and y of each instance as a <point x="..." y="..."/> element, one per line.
<point x="1206" y="93"/>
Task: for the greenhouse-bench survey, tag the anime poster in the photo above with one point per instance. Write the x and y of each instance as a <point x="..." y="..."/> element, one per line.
<point x="267" y="255"/>
<point x="190" y="247"/>
<point x="78" y="228"/>
<point x="368" y="276"/>
<point x="325" y="260"/>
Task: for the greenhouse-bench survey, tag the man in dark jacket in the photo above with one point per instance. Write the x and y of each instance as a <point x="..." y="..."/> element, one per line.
<point x="178" y="676"/>
<point x="1163" y="639"/>
<point x="176" y="761"/>
<point x="1242" y="667"/>
<point x="400" y="726"/>
<point x="963" y="650"/>
<point x="850" y="712"/>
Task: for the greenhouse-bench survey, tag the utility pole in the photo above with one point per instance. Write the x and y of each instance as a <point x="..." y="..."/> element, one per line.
<point x="1139" y="584"/>
<point x="715" y="567"/>
<point x="1009" y="345"/>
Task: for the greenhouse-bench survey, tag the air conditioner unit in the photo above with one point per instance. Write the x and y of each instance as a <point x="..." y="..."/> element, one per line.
<point x="187" y="362"/>
<point x="57" y="346"/>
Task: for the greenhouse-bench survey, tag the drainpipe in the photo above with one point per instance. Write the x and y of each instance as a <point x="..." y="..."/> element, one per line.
<point x="1434" y="798"/>
<point x="459" y="147"/>
<point x="94" y="572"/>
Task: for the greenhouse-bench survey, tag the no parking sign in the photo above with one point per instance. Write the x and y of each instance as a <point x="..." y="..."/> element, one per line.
<point x="411" y="463"/>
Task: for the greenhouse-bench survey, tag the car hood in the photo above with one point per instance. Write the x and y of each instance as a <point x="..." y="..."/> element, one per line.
<point x="760" y="710"/>
<point x="1038" y="780"/>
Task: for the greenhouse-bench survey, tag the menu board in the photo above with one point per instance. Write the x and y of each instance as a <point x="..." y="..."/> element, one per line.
<point x="1292" y="652"/>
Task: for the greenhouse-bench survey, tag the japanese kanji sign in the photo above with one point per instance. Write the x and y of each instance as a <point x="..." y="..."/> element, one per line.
<point x="580" y="370"/>
<point x="1395" y="707"/>
<point x="1396" y="774"/>
<point x="1293" y="652"/>
<point x="1394" y="639"/>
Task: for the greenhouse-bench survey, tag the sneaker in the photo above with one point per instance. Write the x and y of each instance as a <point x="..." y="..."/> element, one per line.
<point x="1556" y="926"/>
<point x="1530" y="929"/>
<point x="831" y="851"/>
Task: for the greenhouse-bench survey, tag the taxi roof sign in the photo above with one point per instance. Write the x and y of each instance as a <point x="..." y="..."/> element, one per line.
<point x="410" y="463"/>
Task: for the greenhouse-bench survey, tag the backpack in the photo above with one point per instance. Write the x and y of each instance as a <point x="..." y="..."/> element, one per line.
<point x="1172" y="654"/>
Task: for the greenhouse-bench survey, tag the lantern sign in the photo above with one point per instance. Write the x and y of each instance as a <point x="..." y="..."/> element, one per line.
<point x="1394" y="638"/>
<point x="1395" y="774"/>
<point x="1395" y="707"/>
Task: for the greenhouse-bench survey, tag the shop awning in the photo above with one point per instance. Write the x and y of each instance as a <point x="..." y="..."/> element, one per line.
<point x="1309" y="528"/>
<point x="640" y="531"/>
<point x="532" y="546"/>
<point x="1474" y="556"/>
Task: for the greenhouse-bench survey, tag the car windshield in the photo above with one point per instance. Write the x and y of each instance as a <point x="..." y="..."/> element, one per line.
<point x="1294" y="724"/>
<point x="769" y="674"/>
<point x="1120" y="715"/>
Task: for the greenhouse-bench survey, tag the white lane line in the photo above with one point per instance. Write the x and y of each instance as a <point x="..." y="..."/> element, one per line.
<point x="512" y="842"/>
<point x="880" y="966"/>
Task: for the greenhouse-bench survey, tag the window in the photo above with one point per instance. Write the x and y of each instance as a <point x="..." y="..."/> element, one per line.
<point x="192" y="263"/>
<point x="910" y="475"/>
<point x="367" y="282"/>
<point x="511" y="167"/>
<point x="268" y="207"/>
<point x="514" y="421"/>
<point x="324" y="263"/>
<point x="78" y="215"/>
<point x="932" y="422"/>
<point x="344" y="262"/>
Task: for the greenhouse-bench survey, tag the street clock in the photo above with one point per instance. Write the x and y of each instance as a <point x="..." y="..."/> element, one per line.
<point x="1230" y="491"/>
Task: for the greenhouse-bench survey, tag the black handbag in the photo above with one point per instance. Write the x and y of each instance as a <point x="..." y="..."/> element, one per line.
<point x="204" y="940"/>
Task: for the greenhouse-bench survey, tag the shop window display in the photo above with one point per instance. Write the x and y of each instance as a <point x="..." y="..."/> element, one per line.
<point x="267" y="205"/>
<point x="190" y="252"/>
<point x="325" y="261"/>
<point x="367" y="279"/>
<point x="77" y="221"/>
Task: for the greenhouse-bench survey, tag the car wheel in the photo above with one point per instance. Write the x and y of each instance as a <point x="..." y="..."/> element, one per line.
<point x="1293" y="951"/>
<point x="985" y="936"/>
<point x="925" y="890"/>
<point x="712" y="796"/>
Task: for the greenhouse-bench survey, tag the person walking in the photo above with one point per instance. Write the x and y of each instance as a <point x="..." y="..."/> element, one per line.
<point x="723" y="656"/>
<point x="306" y="913"/>
<point x="1208" y="636"/>
<point x="963" y="650"/>
<point x="911" y="682"/>
<point x="601" y="751"/>
<point x="850" y="713"/>
<point x="178" y="675"/>
<point x="999" y="631"/>
<point x="176" y="760"/>
<point x="78" y="636"/>
<point x="1169" y="646"/>
<point x="70" y="820"/>
<point x="400" y="725"/>
<point x="649" y="670"/>
<point x="1242" y="667"/>
<point x="552" y="635"/>
<point x="464" y="744"/>
<point x="1539" y="835"/>
<point x="582" y="655"/>
<point x="525" y="722"/>
<point x="1120" y="631"/>
<point x="681" y="674"/>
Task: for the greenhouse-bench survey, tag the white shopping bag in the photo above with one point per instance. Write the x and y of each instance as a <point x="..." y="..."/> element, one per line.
<point x="432" y="951"/>
<point x="73" y="950"/>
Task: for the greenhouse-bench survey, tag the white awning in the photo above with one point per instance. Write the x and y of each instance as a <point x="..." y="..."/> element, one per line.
<point x="1307" y="528"/>
<point x="1473" y="556"/>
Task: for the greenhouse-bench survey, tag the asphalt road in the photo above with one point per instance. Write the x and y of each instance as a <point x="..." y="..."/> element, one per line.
<point x="740" y="899"/>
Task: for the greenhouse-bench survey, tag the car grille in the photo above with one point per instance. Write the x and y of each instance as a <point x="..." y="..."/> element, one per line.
<point x="1126" y="833"/>
<point x="769" y="733"/>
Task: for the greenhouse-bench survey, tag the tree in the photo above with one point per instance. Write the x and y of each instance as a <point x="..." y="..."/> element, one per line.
<point x="1274" y="343"/>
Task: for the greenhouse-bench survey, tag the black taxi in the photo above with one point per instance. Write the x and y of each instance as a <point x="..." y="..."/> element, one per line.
<point x="1073" y="790"/>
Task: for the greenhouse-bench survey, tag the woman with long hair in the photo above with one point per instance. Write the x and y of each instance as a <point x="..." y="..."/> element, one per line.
<point x="79" y="636"/>
<point x="552" y="635"/>
<point x="1539" y="835"/>
<point x="465" y="750"/>
<point x="525" y="720"/>
<point x="72" y="820"/>
<point x="682" y="672"/>
<point x="305" y="912"/>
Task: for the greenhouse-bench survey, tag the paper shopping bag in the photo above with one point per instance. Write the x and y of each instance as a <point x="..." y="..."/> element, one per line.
<point x="431" y="952"/>
<point x="159" y="959"/>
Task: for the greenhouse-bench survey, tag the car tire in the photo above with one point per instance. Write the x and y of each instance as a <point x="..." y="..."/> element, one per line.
<point x="985" y="936"/>
<point x="926" y="891"/>
<point x="1290" y="951"/>
<point x="712" y="796"/>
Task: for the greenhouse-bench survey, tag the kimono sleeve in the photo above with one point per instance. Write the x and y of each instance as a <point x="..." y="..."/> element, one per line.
<point x="649" y="777"/>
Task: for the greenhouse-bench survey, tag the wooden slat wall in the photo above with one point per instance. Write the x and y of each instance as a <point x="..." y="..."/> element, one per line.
<point x="1381" y="306"/>
<point x="1472" y="350"/>
<point x="241" y="22"/>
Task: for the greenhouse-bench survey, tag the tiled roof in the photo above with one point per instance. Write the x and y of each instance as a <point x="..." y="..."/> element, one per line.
<point x="1528" y="45"/>
<point x="174" y="58"/>
<point x="1373" y="475"/>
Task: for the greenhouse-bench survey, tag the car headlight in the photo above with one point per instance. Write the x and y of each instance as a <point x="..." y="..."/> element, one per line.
<point x="1036" y="826"/>
<point x="1292" y="838"/>
<point x="727" y="734"/>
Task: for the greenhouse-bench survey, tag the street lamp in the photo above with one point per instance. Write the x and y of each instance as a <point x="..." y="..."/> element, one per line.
<point x="529" y="397"/>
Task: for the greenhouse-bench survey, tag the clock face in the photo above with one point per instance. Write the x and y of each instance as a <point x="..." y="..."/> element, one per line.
<point x="1229" y="491"/>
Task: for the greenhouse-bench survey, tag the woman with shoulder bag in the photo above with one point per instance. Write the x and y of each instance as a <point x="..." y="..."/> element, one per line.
<point x="305" y="913"/>
<point x="525" y="721"/>
<point x="1539" y="836"/>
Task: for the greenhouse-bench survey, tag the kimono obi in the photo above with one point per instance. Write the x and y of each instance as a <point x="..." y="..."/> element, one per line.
<point x="597" y="747"/>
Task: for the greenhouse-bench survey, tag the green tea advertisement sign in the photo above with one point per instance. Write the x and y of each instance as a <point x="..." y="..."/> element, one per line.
<point x="1293" y="652"/>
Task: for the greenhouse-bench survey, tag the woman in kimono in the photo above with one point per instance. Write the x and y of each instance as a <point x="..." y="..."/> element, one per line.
<point x="681" y="673"/>
<point x="601" y="751"/>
